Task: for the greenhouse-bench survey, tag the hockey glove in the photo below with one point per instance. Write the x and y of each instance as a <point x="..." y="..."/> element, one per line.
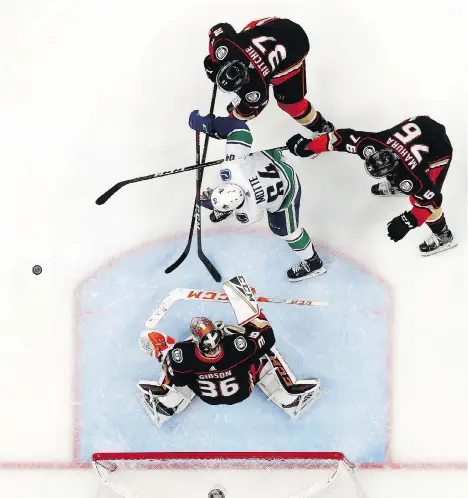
<point x="153" y="343"/>
<point x="205" y="199"/>
<point x="216" y="127"/>
<point x="217" y="216"/>
<point x="401" y="225"/>
<point x="297" y="145"/>
<point x="211" y="68"/>
<point x="205" y="124"/>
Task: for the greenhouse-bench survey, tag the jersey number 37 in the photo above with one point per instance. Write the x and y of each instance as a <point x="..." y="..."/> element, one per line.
<point x="276" y="55"/>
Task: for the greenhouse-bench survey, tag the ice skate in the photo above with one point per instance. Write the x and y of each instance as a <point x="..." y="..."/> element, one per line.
<point x="308" y="268"/>
<point x="386" y="189"/>
<point x="437" y="243"/>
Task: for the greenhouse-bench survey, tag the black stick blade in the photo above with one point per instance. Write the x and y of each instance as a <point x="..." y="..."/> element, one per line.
<point x="177" y="263"/>
<point x="210" y="267"/>
<point x="107" y="195"/>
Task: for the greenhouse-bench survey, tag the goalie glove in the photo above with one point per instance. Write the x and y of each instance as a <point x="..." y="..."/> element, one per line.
<point x="242" y="299"/>
<point x="154" y="343"/>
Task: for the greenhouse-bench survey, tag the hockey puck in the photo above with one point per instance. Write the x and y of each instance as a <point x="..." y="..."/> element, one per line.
<point x="37" y="270"/>
<point x="216" y="493"/>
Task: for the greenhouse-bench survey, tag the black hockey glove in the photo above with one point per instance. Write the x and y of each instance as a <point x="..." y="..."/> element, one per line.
<point x="297" y="146"/>
<point x="211" y="68"/>
<point x="401" y="225"/>
<point x="217" y="216"/>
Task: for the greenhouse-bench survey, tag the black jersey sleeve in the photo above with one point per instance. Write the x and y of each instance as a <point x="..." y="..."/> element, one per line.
<point x="350" y="140"/>
<point x="176" y="366"/>
<point x="347" y="140"/>
<point x="260" y="332"/>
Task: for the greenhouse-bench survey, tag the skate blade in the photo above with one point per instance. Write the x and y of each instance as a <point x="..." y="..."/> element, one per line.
<point x="389" y="195"/>
<point x="443" y="248"/>
<point x="315" y="273"/>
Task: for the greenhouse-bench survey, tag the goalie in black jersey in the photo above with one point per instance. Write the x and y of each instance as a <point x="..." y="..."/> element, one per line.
<point x="414" y="156"/>
<point x="221" y="364"/>
<point x="269" y="51"/>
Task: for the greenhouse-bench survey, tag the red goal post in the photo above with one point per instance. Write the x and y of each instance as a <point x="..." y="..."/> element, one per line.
<point x="238" y="474"/>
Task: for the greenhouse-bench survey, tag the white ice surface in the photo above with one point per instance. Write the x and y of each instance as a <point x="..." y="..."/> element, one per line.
<point x="92" y="92"/>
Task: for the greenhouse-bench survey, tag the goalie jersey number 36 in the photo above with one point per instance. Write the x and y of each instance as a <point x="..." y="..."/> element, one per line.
<point x="230" y="378"/>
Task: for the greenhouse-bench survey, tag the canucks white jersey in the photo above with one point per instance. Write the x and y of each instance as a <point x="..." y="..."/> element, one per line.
<point x="268" y="182"/>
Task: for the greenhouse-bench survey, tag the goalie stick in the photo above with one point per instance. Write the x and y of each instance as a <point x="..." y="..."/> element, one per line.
<point x="196" y="214"/>
<point x="217" y="297"/>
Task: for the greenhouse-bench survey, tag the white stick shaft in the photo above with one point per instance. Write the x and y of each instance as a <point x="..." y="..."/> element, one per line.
<point x="318" y="304"/>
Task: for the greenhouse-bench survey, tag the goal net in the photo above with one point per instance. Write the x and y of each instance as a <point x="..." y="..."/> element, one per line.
<point x="236" y="475"/>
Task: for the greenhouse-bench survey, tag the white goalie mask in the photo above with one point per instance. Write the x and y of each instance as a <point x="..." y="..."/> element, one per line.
<point x="227" y="197"/>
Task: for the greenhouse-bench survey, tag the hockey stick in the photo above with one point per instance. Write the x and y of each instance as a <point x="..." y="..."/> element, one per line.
<point x="196" y="214"/>
<point x="109" y="193"/>
<point x="217" y="297"/>
<point x="208" y="264"/>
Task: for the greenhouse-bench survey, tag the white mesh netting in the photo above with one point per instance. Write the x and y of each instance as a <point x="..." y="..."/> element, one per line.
<point x="272" y="475"/>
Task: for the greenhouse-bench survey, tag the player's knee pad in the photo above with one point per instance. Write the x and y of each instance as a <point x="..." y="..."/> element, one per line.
<point x="280" y="385"/>
<point x="162" y="401"/>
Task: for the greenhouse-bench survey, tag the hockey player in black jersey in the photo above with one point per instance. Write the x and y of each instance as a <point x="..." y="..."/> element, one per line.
<point x="414" y="156"/>
<point x="266" y="52"/>
<point x="221" y="364"/>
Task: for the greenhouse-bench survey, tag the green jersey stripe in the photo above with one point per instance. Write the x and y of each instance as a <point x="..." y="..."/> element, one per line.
<point x="240" y="136"/>
<point x="275" y="156"/>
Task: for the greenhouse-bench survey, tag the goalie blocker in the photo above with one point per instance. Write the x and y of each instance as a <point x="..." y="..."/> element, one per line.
<point x="222" y="363"/>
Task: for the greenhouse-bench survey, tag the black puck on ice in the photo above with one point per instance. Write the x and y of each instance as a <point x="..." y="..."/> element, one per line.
<point x="37" y="270"/>
<point x="216" y="493"/>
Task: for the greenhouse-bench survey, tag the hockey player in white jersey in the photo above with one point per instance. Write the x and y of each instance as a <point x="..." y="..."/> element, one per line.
<point x="255" y="184"/>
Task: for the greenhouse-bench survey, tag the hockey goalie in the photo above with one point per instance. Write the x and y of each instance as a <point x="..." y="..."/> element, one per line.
<point x="222" y="363"/>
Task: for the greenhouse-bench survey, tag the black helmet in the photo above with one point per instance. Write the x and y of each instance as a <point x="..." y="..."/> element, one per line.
<point x="232" y="76"/>
<point x="382" y="163"/>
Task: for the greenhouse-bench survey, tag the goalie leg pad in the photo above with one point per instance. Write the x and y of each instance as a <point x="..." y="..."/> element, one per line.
<point x="162" y="401"/>
<point x="280" y="385"/>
